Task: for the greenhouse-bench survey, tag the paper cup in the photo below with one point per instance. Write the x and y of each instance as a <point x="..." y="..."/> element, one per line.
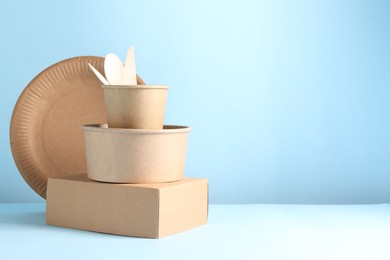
<point x="135" y="106"/>
<point x="135" y="155"/>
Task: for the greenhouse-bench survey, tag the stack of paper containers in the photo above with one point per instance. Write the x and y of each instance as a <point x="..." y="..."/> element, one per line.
<point x="135" y="183"/>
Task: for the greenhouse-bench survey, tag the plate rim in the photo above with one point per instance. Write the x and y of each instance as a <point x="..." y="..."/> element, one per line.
<point x="39" y="186"/>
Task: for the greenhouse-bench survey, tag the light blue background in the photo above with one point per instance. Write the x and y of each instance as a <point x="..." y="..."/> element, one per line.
<point x="289" y="101"/>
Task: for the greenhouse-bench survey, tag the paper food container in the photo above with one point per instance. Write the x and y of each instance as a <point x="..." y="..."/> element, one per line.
<point x="135" y="155"/>
<point x="136" y="107"/>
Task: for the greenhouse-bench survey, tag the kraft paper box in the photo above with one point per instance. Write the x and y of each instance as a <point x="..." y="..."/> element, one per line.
<point x="139" y="210"/>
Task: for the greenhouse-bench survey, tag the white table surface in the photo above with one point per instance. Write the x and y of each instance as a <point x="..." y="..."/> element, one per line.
<point x="233" y="232"/>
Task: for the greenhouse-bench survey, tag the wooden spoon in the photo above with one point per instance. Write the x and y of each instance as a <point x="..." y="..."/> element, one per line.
<point x="113" y="69"/>
<point x="130" y="76"/>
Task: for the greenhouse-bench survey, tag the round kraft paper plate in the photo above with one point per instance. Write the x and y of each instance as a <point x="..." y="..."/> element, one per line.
<point x="45" y="134"/>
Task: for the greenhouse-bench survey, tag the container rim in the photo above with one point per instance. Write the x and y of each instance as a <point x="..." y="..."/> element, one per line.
<point x="168" y="129"/>
<point x="136" y="86"/>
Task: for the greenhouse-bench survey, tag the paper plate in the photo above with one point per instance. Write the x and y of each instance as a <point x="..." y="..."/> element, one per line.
<point x="45" y="134"/>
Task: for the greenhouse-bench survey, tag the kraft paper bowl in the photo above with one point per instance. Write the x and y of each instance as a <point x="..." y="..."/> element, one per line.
<point x="135" y="155"/>
<point x="135" y="106"/>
